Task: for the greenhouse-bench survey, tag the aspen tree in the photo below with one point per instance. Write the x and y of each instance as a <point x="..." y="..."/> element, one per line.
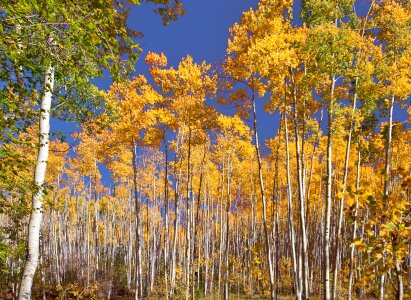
<point x="392" y="19"/>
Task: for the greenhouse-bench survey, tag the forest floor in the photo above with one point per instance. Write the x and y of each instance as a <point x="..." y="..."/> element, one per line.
<point x="234" y="296"/>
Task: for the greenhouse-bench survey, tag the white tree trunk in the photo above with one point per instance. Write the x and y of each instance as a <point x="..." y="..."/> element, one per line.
<point x="264" y="202"/>
<point x="290" y="215"/>
<point x="354" y="231"/>
<point x="39" y="176"/>
<point x="327" y="224"/>
<point x="227" y="237"/>
<point x="386" y="177"/>
<point x="344" y="187"/>
<point x="301" y="194"/>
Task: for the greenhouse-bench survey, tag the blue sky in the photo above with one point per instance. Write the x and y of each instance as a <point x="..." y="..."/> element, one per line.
<point x="202" y="33"/>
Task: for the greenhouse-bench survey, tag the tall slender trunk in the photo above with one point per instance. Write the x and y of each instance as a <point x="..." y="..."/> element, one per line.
<point x="39" y="177"/>
<point x="277" y="215"/>
<point x="188" y="218"/>
<point x="220" y="217"/>
<point x="387" y="176"/>
<point x="290" y="214"/>
<point x="264" y="201"/>
<point x="153" y="231"/>
<point x="354" y="230"/>
<point x="207" y="238"/>
<point x="196" y="223"/>
<point x="166" y="208"/>
<point x="137" y="225"/>
<point x="175" y="237"/>
<point x="301" y="193"/>
<point x="227" y="237"/>
<point x="327" y="223"/>
<point x="178" y="159"/>
<point x="213" y="234"/>
<point x="341" y="211"/>
<point x="96" y="241"/>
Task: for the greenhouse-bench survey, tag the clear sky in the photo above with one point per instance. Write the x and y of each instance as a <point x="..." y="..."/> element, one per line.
<point x="202" y="33"/>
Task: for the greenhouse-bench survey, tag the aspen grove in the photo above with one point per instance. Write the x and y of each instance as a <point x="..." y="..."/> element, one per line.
<point x="165" y="195"/>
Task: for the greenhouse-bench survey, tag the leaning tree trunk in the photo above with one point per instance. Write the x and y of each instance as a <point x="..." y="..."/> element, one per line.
<point x="39" y="176"/>
<point x="264" y="202"/>
<point x="344" y="187"/>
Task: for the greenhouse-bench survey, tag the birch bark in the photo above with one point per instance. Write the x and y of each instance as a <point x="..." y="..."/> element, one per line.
<point x="39" y="178"/>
